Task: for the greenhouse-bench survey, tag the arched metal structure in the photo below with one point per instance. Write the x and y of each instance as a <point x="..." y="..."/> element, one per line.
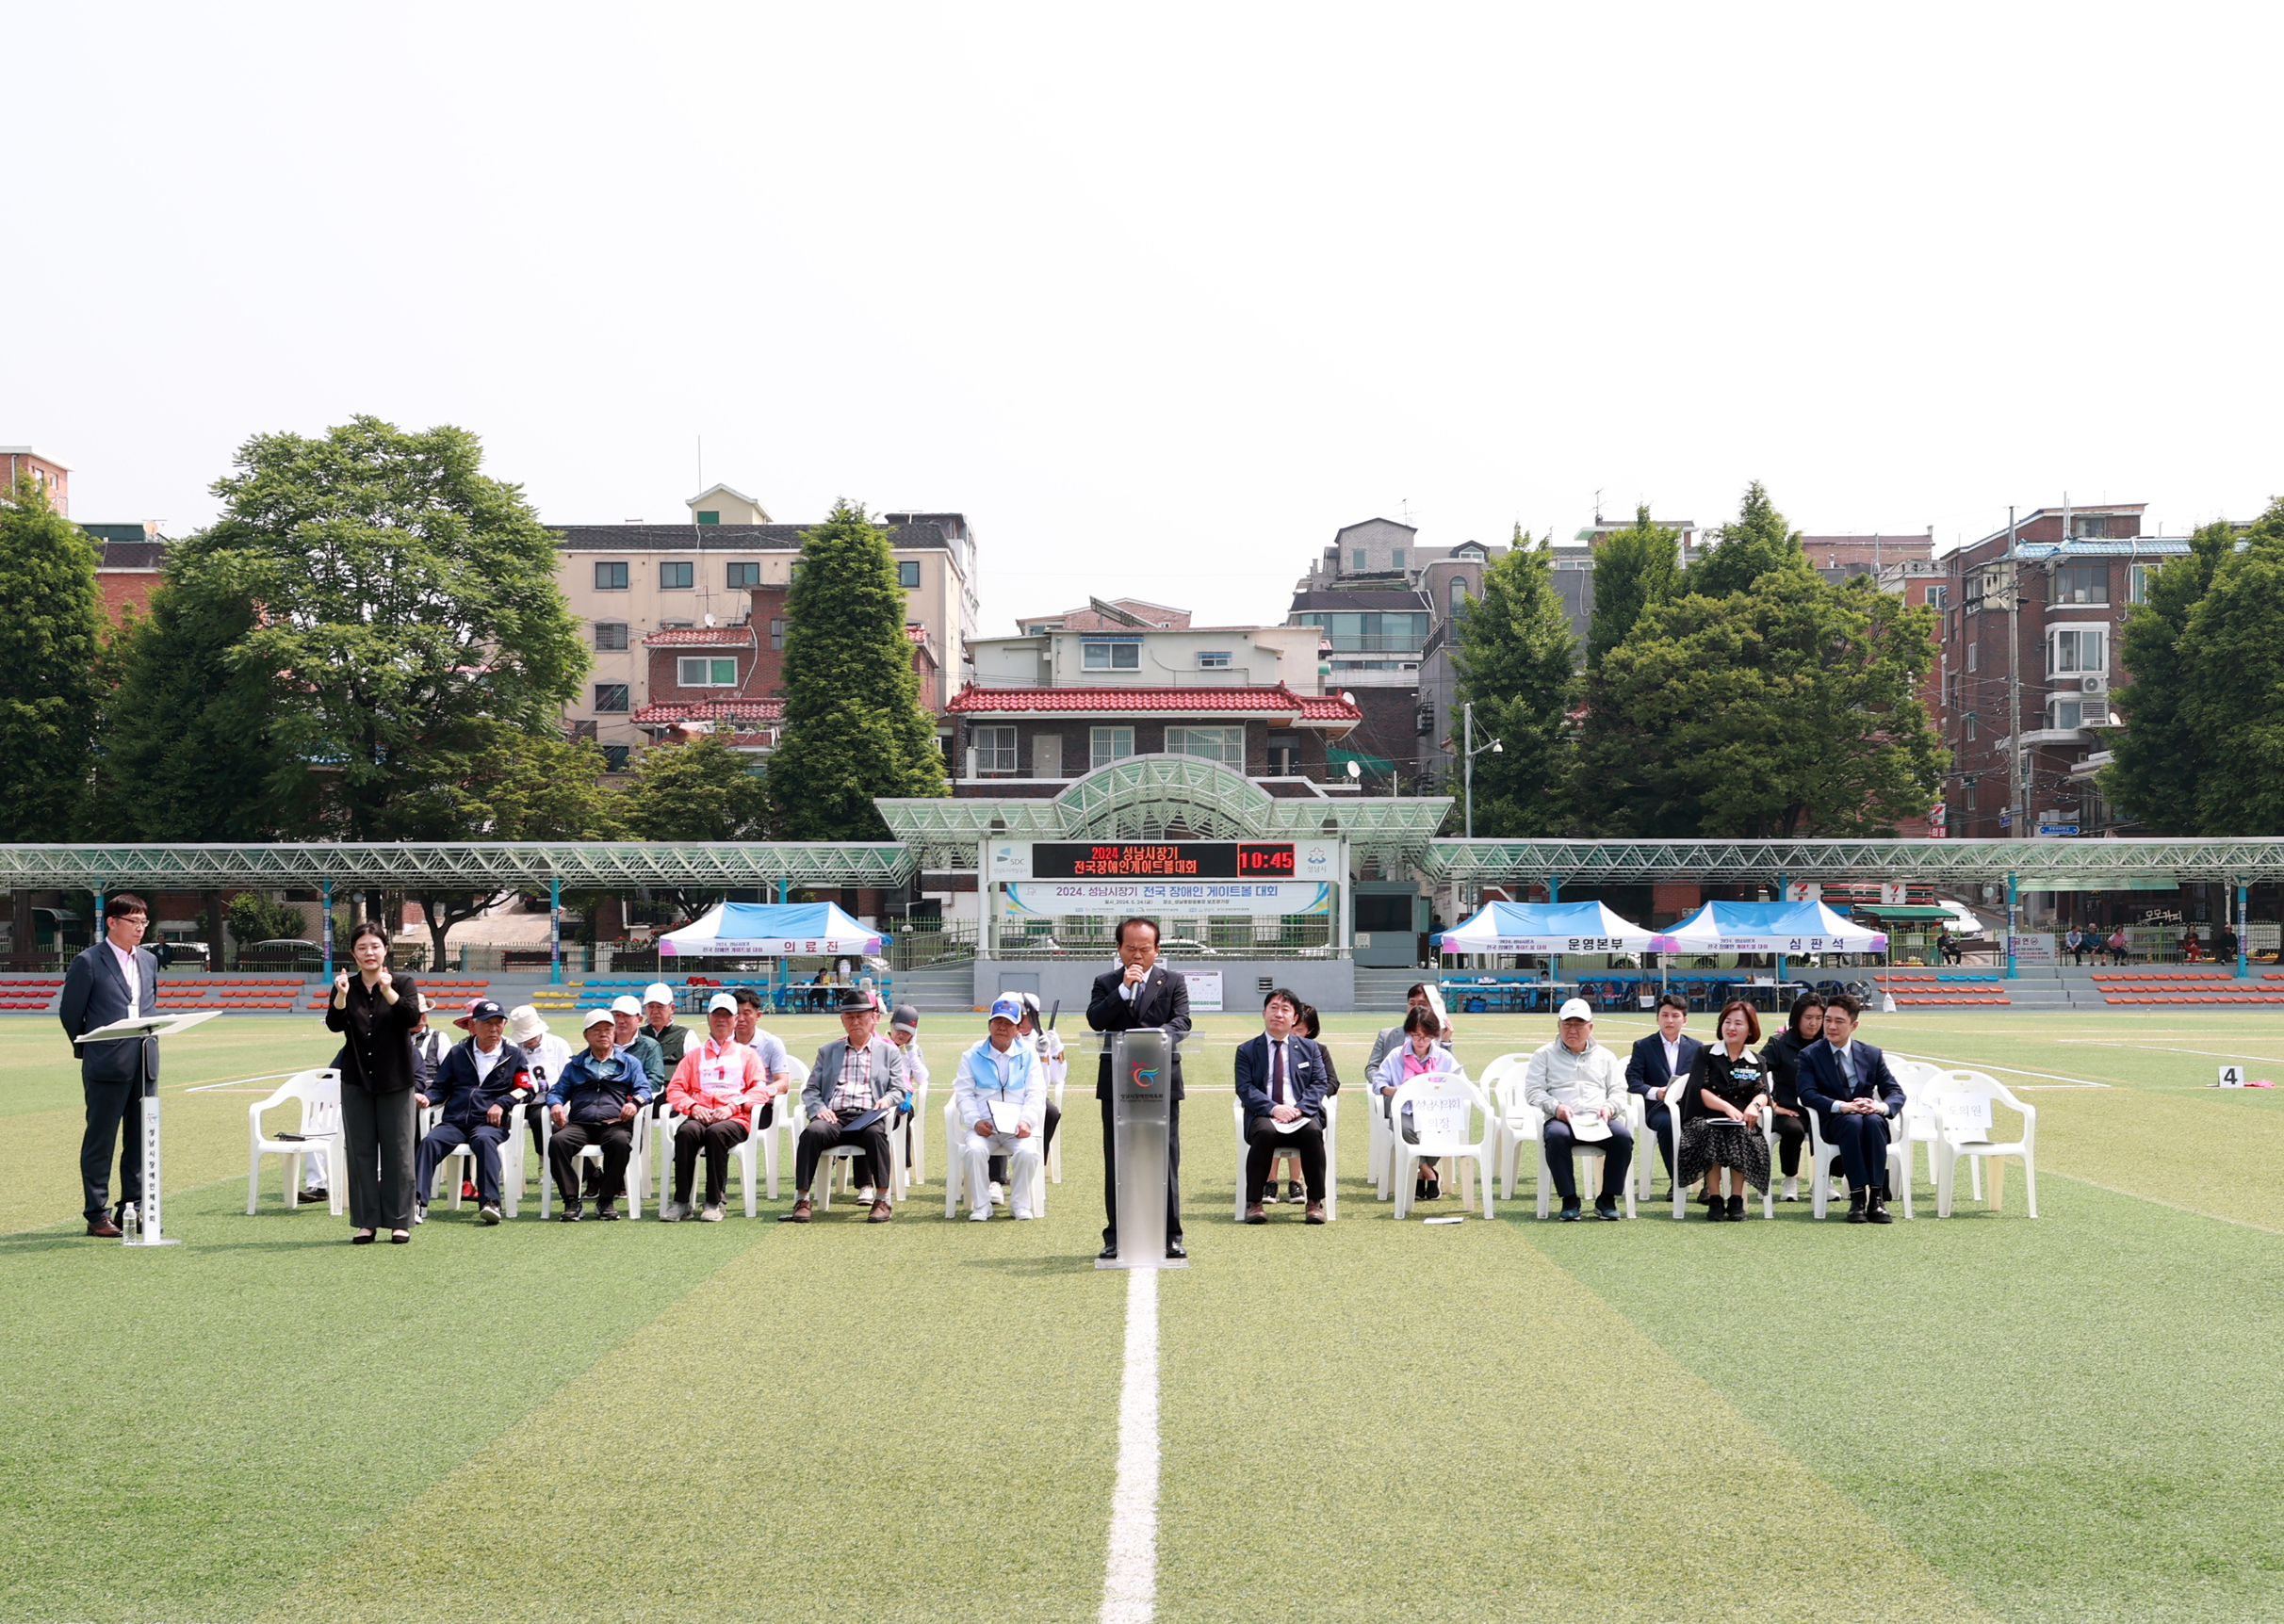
<point x="2068" y="862"/>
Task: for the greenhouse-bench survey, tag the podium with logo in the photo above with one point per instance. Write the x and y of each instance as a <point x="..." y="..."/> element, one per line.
<point x="1141" y="1117"/>
<point x="149" y="1227"/>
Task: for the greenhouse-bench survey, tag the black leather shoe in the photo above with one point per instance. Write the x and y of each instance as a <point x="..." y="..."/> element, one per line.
<point x="1736" y="1206"/>
<point x="1108" y="1254"/>
<point x="1856" y="1208"/>
<point x="1875" y="1212"/>
<point x="1176" y="1251"/>
<point x="321" y="1193"/>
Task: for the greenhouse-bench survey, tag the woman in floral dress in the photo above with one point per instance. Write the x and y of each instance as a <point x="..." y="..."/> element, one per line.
<point x="1721" y="1108"/>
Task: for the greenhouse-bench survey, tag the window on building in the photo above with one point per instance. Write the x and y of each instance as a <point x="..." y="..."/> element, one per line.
<point x="710" y="515"/>
<point x="2064" y="713"/>
<point x="610" y="577"/>
<point x="1214" y="659"/>
<point x="614" y="758"/>
<point x="1223" y="744"/>
<point x="2093" y="527"/>
<point x="677" y="625"/>
<point x="1395" y="557"/>
<point x="1110" y="654"/>
<point x="1971" y="796"/>
<point x="994" y="750"/>
<point x="1380" y="912"/>
<point x="1285" y="755"/>
<point x="610" y="633"/>
<point x="777" y="634"/>
<point x="678" y="575"/>
<point x="1939" y="597"/>
<point x="1973" y="651"/>
<point x="1970" y="724"/>
<point x="1367" y="633"/>
<point x="2080" y="584"/>
<point x="907" y="572"/>
<point x="1458" y="595"/>
<point x="2080" y="649"/>
<point x="744" y="575"/>
<point x="611" y="698"/>
<point x="1108" y="744"/>
<point x="1356" y="560"/>
<point x="701" y="671"/>
<point x="2137" y="582"/>
<point x="583" y="730"/>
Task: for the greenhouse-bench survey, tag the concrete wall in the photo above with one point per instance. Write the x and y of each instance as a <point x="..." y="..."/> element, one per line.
<point x="1328" y="983"/>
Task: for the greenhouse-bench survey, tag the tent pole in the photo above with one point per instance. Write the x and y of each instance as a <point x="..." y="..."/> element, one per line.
<point x="1780" y="958"/>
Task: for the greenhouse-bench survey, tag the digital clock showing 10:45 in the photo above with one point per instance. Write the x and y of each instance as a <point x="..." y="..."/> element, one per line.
<point x="1165" y="860"/>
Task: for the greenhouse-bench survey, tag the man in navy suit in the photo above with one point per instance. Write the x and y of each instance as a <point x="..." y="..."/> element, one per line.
<point x="1656" y="1061"/>
<point x="1281" y="1079"/>
<point x="1141" y="993"/>
<point x="1849" y="1085"/>
<point x="115" y="980"/>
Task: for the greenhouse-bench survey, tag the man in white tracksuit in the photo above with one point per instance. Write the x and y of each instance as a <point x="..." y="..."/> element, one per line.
<point x="1003" y="1072"/>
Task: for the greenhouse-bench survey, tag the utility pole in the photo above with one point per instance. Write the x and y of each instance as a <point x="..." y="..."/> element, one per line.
<point x="1468" y="753"/>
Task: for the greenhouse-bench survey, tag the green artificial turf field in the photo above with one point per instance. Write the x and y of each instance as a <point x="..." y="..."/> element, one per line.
<point x="1986" y="1417"/>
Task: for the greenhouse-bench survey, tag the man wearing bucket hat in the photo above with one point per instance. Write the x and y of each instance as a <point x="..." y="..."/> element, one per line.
<point x="595" y="1101"/>
<point x="1579" y="1086"/>
<point x="852" y="1096"/>
<point x="1000" y="1099"/>
<point x="714" y="1092"/>
<point x="545" y="1057"/>
<point x="476" y="1085"/>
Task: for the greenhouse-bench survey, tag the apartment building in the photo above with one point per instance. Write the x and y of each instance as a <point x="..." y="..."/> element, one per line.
<point x="1836" y="557"/>
<point x="729" y="565"/>
<point x="22" y="461"/>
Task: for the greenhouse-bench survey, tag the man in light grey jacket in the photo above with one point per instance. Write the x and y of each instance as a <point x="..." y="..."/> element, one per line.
<point x="1579" y="1086"/>
<point x="851" y="1100"/>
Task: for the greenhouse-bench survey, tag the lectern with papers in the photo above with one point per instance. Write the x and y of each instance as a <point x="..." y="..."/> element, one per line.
<point x="1141" y="1118"/>
<point x="148" y="1229"/>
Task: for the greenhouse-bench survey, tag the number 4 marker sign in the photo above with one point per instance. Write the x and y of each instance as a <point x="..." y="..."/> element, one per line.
<point x="2231" y="1077"/>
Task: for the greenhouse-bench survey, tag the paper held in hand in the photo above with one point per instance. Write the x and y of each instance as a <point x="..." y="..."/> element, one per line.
<point x="1006" y="1115"/>
<point x="1587" y="1127"/>
<point x="1293" y="1126"/>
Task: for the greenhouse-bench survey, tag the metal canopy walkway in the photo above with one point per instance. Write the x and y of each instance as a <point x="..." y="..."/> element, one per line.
<point x="2076" y="863"/>
<point x="601" y="864"/>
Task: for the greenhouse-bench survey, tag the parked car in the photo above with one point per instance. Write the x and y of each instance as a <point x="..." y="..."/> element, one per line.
<point x="283" y="953"/>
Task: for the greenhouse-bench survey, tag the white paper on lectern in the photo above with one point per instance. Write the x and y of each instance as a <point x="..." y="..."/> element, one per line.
<point x="146" y="1026"/>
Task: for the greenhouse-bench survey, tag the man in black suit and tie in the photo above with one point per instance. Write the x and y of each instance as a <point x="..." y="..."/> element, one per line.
<point x="113" y="981"/>
<point x="1281" y="1079"/>
<point x="1849" y="1085"/>
<point x="1139" y="993"/>
<point x="1656" y="1061"/>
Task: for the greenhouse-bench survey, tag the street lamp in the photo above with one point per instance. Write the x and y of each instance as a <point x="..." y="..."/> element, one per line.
<point x="1472" y="750"/>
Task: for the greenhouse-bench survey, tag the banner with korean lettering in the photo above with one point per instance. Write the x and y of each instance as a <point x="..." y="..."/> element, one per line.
<point x="1258" y="899"/>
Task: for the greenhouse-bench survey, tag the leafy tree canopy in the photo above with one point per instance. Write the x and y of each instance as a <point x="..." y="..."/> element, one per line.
<point x="50" y="641"/>
<point x="1759" y="543"/>
<point x="1633" y="569"/>
<point x="1516" y="659"/>
<point x="2163" y="757"/>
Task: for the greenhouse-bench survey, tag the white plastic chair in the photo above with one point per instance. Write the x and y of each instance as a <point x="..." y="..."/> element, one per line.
<point x="637" y="1162"/>
<point x="1331" y="1108"/>
<point x="1442" y="1089"/>
<point x="1825" y="1156"/>
<point x="318" y="1093"/>
<point x="756" y="1153"/>
<point x="1916" y="1123"/>
<point x="1513" y="1123"/>
<point x="460" y="1164"/>
<point x="1594" y="1153"/>
<point x="1956" y="1140"/>
<point x="956" y="1167"/>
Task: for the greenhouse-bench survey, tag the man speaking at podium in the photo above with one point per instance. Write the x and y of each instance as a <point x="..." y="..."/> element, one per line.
<point x="113" y="981"/>
<point x="1139" y="993"/>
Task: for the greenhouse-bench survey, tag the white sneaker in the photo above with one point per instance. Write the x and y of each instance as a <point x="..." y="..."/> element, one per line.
<point x="674" y="1213"/>
<point x="1792" y="1190"/>
<point x="865" y="1194"/>
<point x="999" y="1194"/>
<point x="421" y="1213"/>
<point x="1022" y="1214"/>
<point x="981" y="1214"/>
<point x="712" y="1215"/>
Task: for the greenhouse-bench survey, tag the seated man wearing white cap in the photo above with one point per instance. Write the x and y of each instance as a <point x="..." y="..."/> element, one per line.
<point x="714" y="1092"/>
<point x="626" y="1031"/>
<point x="1579" y="1086"/>
<point x="1000" y="1100"/>
<point x="595" y="1101"/>
<point x="659" y="1025"/>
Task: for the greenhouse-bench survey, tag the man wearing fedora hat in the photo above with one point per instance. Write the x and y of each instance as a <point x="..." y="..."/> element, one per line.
<point x="853" y="1093"/>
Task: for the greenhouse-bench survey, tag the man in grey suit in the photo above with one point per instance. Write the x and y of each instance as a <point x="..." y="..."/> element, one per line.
<point x="113" y="981"/>
<point x="852" y="1096"/>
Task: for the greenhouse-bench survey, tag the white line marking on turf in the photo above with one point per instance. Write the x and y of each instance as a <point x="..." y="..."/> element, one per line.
<point x="1129" y="1576"/>
<point x="239" y="1081"/>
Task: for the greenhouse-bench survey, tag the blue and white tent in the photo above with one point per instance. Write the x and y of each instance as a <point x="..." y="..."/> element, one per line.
<point x="769" y="931"/>
<point x="1805" y="927"/>
<point x="1545" y="928"/>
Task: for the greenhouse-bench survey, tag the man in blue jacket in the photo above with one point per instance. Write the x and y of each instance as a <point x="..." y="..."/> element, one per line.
<point x="594" y="1100"/>
<point x="478" y="1084"/>
<point x="1656" y="1061"/>
<point x="112" y="981"/>
<point x="1280" y="1082"/>
<point x="1847" y="1084"/>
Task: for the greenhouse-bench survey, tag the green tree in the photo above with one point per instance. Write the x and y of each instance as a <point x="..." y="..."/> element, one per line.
<point x="1790" y="709"/>
<point x="253" y="917"/>
<point x="50" y="643"/>
<point x="1517" y="660"/>
<point x="702" y="791"/>
<point x="2164" y="758"/>
<point x="1633" y="569"/>
<point x="853" y="726"/>
<point x="508" y="786"/>
<point x="402" y="607"/>
<point x="1759" y="543"/>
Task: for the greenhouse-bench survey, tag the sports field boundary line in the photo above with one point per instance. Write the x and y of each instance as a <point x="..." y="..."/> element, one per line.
<point x="1130" y="1570"/>
<point x="2160" y="1201"/>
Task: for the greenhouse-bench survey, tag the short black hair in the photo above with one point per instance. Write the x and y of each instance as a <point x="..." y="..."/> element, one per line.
<point x="1848" y="1001"/>
<point x="747" y="996"/>
<point x="1801" y="1006"/>
<point x="363" y="928"/>
<point x="1416" y="990"/>
<point x="1676" y="1000"/>
<point x="1308" y="1023"/>
<point x="1291" y="997"/>
<point x="1423" y="1020"/>
<point x="1137" y="920"/>
<point x="128" y="904"/>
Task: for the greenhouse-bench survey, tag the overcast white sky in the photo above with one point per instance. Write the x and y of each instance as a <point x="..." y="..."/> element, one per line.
<point x="1162" y="296"/>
